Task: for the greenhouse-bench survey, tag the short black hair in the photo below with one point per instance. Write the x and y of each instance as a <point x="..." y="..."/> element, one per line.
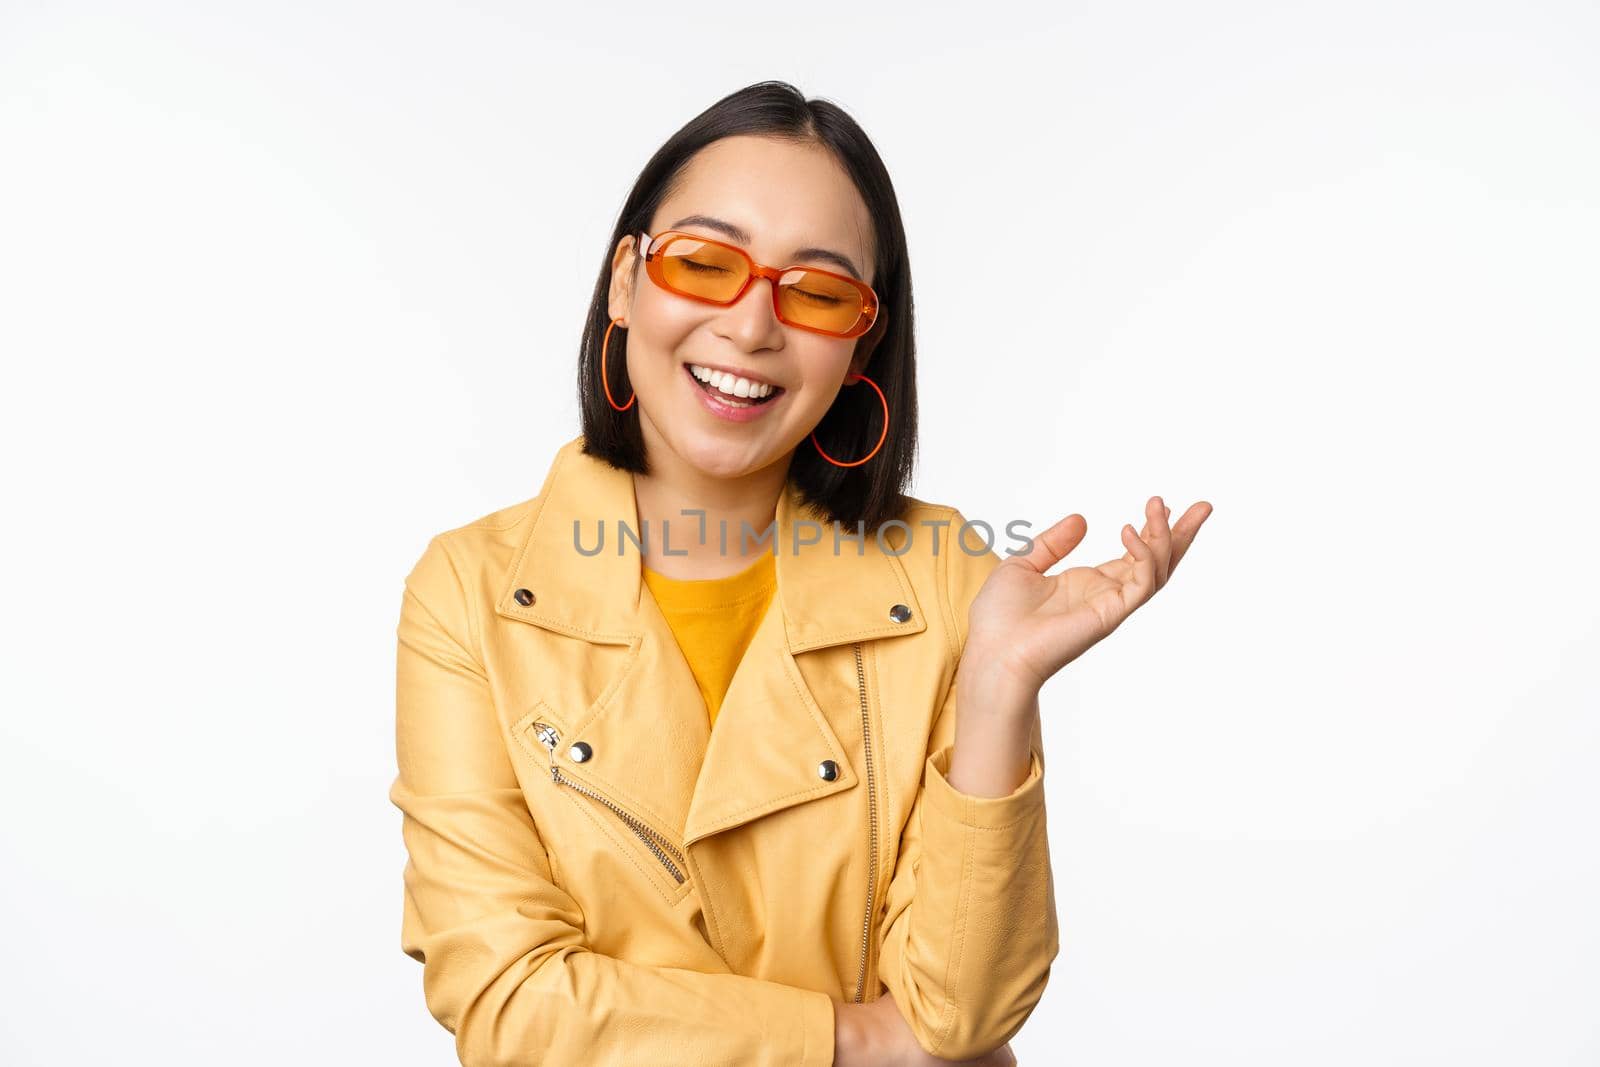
<point x="873" y="492"/>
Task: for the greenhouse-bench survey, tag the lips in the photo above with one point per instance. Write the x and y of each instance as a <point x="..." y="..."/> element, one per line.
<point x="730" y="398"/>
<point x="730" y="409"/>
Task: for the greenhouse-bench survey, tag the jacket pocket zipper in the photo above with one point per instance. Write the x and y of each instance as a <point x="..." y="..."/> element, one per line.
<point x="872" y="816"/>
<point x="659" y="846"/>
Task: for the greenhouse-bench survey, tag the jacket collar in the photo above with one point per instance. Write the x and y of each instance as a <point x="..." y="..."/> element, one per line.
<point x="653" y="748"/>
<point x="827" y="598"/>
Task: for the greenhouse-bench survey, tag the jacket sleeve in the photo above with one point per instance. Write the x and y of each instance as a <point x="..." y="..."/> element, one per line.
<point x="970" y="929"/>
<point x="505" y="964"/>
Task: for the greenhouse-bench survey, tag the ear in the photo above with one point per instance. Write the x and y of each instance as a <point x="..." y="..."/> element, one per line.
<point x="868" y="341"/>
<point x="623" y="263"/>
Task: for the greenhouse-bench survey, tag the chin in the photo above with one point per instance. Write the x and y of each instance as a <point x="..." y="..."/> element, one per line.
<point x="721" y="458"/>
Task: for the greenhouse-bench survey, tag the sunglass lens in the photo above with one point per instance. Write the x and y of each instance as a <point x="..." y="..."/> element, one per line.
<point x="702" y="269"/>
<point x="819" y="301"/>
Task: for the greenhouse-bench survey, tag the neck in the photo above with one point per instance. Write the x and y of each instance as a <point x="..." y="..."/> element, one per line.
<point x="737" y="512"/>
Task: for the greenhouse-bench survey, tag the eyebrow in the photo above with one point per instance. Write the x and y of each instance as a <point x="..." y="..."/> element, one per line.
<point x="742" y="236"/>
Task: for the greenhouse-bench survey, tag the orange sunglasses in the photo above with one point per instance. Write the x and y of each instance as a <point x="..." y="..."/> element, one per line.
<point x="714" y="272"/>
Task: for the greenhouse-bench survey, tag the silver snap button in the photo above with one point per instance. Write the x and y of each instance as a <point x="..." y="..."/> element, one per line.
<point x="580" y="752"/>
<point x="523" y="597"/>
<point x="899" y="613"/>
<point x="827" y="770"/>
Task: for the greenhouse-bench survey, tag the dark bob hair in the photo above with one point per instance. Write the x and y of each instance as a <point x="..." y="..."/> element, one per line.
<point x="873" y="492"/>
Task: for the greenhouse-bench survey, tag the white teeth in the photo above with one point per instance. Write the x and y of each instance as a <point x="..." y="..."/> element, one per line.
<point x="730" y="384"/>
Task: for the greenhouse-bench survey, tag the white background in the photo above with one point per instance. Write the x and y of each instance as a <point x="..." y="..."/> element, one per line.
<point x="285" y="289"/>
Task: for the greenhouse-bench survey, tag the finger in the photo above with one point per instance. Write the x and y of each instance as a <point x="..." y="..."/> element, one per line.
<point x="1051" y="546"/>
<point x="1000" y="1057"/>
<point x="1141" y="583"/>
<point x="1160" y="538"/>
<point x="1156" y="534"/>
<point x="1184" y="530"/>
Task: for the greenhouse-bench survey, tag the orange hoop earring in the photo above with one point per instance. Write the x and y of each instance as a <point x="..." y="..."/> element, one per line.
<point x="604" y="384"/>
<point x="881" y="399"/>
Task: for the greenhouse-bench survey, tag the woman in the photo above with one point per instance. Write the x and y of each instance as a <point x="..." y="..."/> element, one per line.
<point x="721" y="749"/>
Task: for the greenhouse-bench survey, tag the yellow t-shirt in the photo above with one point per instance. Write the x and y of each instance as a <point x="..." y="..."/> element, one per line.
<point x="713" y="620"/>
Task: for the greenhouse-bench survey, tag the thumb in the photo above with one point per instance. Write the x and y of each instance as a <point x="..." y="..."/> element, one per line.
<point x="1052" y="546"/>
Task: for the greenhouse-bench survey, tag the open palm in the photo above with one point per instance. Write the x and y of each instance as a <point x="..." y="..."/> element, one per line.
<point x="1029" y="624"/>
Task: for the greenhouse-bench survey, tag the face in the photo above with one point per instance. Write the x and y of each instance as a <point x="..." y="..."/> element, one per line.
<point x="785" y="198"/>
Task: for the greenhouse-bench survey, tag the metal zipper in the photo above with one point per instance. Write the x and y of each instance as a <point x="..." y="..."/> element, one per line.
<point x="872" y="813"/>
<point x="658" y="845"/>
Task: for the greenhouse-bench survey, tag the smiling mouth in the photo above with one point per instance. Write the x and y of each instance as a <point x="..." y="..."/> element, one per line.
<point x="729" y="398"/>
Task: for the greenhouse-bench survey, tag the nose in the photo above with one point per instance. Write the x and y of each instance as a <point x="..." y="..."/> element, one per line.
<point x="751" y="322"/>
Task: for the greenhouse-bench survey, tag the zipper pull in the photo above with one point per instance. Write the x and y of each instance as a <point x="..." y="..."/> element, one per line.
<point x="548" y="737"/>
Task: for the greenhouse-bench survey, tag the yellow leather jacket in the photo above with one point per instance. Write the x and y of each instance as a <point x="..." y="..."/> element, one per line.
<point x="596" y="877"/>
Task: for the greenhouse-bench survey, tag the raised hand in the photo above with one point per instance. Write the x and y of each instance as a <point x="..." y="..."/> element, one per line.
<point x="1028" y="625"/>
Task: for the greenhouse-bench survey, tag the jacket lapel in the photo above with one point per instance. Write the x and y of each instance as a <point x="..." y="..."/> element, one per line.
<point x="652" y="747"/>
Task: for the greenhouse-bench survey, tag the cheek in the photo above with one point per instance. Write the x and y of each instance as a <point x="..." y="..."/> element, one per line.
<point x="658" y="331"/>
<point x="824" y="363"/>
<point x="661" y="308"/>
